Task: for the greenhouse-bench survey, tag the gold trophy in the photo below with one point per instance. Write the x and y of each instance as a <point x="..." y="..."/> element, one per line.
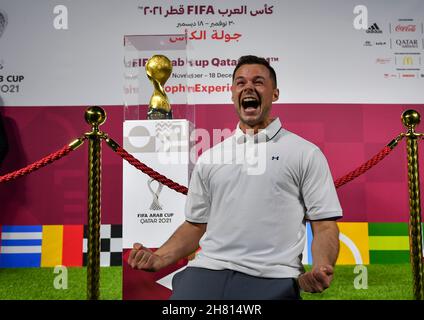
<point x="158" y="70"/>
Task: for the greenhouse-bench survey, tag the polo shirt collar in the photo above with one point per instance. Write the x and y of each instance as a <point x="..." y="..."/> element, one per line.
<point x="263" y="135"/>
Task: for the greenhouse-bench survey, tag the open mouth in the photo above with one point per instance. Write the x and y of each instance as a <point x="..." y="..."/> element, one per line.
<point x="250" y="102"/>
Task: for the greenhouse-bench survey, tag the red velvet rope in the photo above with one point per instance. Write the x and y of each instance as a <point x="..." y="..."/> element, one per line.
<point x="168" y="182"/>
<point x="37" y="165"/>
<point x="179" y="188"/>
<point x="150" y="172"/>
<point x="362" y="169"/>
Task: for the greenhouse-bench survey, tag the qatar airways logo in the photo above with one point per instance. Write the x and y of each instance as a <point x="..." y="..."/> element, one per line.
<point x="405" y="28"/>
<point x="407" y="43"/>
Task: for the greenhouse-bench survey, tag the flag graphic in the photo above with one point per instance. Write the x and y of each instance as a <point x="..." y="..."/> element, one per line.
<point x="51" y="245"/>
<point x="51" y="248"/>
<point x="388" y="242"/>
<point x="354" y="246"/>
<point x="62" y="245"/>
<point x="110" y="245"/>
<point x="41" y="246"/>
<point x="307" y="250"/>
<point x="72" y="245"/>
<point x="20" y="246"/>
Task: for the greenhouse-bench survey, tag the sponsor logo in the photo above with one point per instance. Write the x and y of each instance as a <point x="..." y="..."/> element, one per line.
<point x="374" y="29"/>
<point x="367" y="44"/>
<point x="407" y="43"/>
<point x="405" y="28"/>
<point x="409" y="75"/>
<point x="383" y="60"/>
<point x="391" y="76"/>
<point x="408" y="61"/>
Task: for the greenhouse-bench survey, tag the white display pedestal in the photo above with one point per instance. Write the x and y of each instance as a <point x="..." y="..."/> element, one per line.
<point x="151" y="211"/>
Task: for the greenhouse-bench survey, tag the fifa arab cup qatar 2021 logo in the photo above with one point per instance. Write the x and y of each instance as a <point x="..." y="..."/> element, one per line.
<point x="155" y="193"/>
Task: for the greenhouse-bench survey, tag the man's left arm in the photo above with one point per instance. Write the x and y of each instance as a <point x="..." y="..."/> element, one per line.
<point x="325" y="250"/>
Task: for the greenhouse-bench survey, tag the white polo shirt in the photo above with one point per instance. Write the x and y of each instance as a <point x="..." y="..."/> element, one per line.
<point x="255" y="194"/>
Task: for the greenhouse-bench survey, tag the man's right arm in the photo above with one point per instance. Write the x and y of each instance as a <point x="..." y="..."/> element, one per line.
<point x="182" y="243"/>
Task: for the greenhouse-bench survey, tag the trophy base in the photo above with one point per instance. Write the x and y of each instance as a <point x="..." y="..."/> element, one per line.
<point x="155" y="114"/>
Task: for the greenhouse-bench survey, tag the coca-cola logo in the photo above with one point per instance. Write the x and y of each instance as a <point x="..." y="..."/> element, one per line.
<point x="406" y="28"/>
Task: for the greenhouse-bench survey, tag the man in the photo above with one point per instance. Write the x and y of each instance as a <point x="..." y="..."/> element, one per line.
<point x="251" y="224"/>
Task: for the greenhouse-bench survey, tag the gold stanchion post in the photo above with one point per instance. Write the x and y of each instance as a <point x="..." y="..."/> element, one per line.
<point x="411" y="119"/>
<point x="95" y="116"/>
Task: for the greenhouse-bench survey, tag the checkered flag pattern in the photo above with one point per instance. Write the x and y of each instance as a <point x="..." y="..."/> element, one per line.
<point x="110" y="245"/>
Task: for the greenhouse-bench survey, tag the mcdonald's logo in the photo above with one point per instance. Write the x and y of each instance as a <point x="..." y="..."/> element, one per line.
<point x="407" y="61"/>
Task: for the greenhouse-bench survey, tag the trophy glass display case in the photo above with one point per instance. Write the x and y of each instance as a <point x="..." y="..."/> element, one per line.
<point x="158" y="130"/>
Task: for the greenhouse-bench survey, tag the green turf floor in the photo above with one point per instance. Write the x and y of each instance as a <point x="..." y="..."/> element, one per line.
<point x="39" y="284"/>
<point x="387" y="282"/>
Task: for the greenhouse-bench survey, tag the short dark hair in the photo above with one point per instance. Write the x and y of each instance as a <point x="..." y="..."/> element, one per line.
<point x="249" y="59"/>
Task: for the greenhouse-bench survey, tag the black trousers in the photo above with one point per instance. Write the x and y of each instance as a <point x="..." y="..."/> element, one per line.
<point x="204" y="284"/>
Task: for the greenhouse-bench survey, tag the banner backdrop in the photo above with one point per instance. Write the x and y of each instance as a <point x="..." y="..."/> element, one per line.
<point x="346" y="71"/>
<point x="324" y="51"/>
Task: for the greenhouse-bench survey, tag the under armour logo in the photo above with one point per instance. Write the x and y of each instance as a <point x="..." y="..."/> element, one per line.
<point x="275" y="157"/>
